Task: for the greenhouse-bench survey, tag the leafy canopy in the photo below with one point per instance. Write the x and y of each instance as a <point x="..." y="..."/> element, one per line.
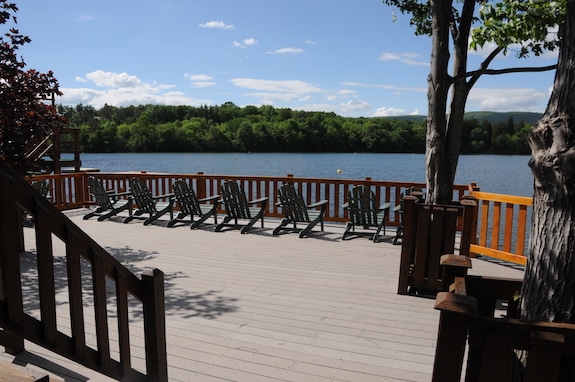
<point x="25" y="117"/>
<point x="524" y="23"/>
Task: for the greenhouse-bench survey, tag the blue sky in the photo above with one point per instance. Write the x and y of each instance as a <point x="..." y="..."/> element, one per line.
<point x="345" y="56"/>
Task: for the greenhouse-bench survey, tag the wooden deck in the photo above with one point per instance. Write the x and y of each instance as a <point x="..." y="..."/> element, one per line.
<point x="258" y="307"/>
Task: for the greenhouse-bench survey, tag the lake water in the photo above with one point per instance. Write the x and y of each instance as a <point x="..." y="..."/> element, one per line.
<point x="493" y="173"/>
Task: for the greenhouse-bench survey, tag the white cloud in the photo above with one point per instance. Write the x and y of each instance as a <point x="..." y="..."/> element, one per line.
<point x="389" y="111"/>
<point x="406" y="58"/>
<point x="269" y="91"/>
<point x="506" y="99"/>
<point x="200" y="80"/>
<point x="217" y="25"/>
<point x="246" y="42"/>
<point x="250" y="41"/>
<point x="286" y="51"/>
<point x="112" y="80"/>
<point x="387" y="87"/>
<point x="122" y="89"/>
<point x="349" y="108"/>
<point x="198" y="77"/>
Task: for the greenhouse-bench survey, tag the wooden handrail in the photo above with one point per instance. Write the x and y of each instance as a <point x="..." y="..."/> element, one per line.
<point x="84" y="260"/>
<point x="503" y="224"/>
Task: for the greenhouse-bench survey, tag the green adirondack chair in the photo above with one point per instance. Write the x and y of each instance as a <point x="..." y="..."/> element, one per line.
<point x="191" y="206"/>
<point x="153" y="206"/>
<point x="238" y="207"/>
<point x="364" y="213"/>
<point x="109" y="202"/>
<point x="296" y="211"/>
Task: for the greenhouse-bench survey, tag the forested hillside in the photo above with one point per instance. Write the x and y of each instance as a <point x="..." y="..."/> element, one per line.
<point x="229" y="128"/>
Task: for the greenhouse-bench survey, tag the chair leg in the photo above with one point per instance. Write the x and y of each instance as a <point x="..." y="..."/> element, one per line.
<point x="348" y="227"/>
<point x="179" y="217"/>
<point x="398" y="234"/>
<point x="309" y="227"/>
<point x="283" y="223"/>
<point x="226" y="220"/>
<point x="248" y="227"/>
<point x="199" y="222"/>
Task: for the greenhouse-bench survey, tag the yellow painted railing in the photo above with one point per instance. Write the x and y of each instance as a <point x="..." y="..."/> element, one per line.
<point x="503" y="224"/>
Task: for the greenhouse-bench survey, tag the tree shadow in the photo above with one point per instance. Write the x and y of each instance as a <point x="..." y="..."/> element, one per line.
<point x="178" y="300"/>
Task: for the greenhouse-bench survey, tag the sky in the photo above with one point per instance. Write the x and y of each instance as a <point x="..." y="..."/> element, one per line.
<point x="345" y="56"/>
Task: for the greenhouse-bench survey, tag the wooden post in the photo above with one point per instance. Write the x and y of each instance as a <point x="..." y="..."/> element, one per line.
<point x="452" y="335"/>
<point x="155" y="325"/>
<point x="201" y="191"/>
<point x="407" y="242"/>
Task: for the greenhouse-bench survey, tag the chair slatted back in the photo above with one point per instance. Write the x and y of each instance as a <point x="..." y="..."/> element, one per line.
<point x="100" y="195"/>
<point x="42" y="186"/>
<point x="235" y="200"/>
<point x="142" y="196"/>
<point x="362" y="206"/>
<point x="292" y="203"/>
<point x="186" y="197"/>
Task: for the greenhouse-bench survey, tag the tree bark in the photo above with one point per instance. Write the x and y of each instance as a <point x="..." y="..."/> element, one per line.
<point x="438" y="166"/>
<point x="548" y="292"/>
<point x="444" y="130"/>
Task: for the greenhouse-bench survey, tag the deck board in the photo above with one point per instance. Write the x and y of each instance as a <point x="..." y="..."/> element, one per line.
<point x="258" y="307"/>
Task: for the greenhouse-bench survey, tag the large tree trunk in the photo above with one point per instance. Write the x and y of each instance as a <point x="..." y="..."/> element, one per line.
<point x="444" y="130"/>
<point x="438" y="167"/>
<point x="549" y="288"/>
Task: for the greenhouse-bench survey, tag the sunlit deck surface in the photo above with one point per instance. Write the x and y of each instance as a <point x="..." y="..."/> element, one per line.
<point x="258" y="307"/>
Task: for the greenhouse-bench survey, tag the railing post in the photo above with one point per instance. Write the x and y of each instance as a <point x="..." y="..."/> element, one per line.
<point x="155" y="325"/>
<point x="201" y="188"/>
<point x="407" y="243"/>
<point x="452" y="335"/>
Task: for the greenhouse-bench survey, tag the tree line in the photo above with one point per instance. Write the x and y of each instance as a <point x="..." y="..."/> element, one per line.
<point x="230" y="128"/>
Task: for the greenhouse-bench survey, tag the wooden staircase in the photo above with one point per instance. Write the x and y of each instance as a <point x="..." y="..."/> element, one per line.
<point x="31" y="307"/>
<point x="48" y="153"/>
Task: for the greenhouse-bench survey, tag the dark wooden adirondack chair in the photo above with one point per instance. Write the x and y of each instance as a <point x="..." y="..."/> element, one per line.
<point x="364" y="213"/>
<point x="109" y="202"/>
<point x="191" y="206"/>
<point x="43" y="187"/>
<point x="428" y="261"/>
<point x="238" y="207"/>
<point x="148" y="203"/>
<point x="295" y="211"/>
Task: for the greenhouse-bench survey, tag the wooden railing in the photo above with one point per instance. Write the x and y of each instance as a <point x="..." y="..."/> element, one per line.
<point x="70" y="300"/>
<point x="502" y="221"/>
<point x="70" y="190"/>
<point x="471" y="328"/>
<point x="503" y="224"/>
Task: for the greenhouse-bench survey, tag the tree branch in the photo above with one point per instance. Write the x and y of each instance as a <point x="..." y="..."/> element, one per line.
<point x="511" y="70"/>
<point x="483" y="67"/>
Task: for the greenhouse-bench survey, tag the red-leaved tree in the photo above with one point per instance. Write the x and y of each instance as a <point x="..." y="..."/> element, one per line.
<point x="25" y="117"/>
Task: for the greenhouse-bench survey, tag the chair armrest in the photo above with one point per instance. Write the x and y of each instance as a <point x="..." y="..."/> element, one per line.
<point x="260" y="200"/>
<point x="345" y="205"/>
<point x="384" y="206"/>
<point x="397" y="208"/>
<point x="321" y="203"/>
<point x="169" y="196"/>
<point x="209" y="198"/>
<point x="112" y="193"/>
